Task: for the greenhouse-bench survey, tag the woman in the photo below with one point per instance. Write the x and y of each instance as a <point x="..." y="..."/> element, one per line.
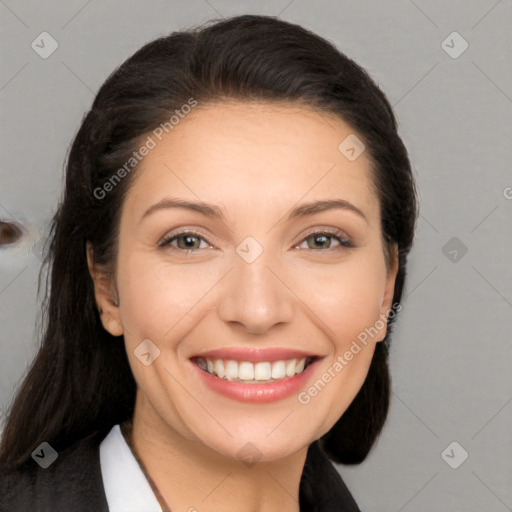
<point x="226" y="264"/>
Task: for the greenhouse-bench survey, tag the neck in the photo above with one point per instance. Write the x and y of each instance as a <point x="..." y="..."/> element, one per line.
<point x="192" y="477"/>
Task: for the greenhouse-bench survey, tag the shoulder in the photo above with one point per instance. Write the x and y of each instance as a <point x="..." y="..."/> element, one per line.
<point x="72" y="482"/>
<point x="322" y="488"/>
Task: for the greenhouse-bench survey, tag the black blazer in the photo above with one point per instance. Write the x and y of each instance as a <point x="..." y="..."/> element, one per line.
<point x="74" y="483"/>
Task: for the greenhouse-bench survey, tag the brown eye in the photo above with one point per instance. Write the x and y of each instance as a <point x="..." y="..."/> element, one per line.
<point x="9" y="233"/>
<point x="184" y="241"/>
<point x="188" y="241"/>
<point x="324" y="241"/>
<point x="319" y="241"/>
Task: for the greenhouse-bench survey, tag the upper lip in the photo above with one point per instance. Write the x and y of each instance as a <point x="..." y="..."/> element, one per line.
<point x="255" y="355"/>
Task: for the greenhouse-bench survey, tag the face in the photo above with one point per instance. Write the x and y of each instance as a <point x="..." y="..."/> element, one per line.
<point x="250" y="247"/>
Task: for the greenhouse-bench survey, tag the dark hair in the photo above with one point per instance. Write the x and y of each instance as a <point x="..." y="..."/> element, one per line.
<point x="80" y="381"/>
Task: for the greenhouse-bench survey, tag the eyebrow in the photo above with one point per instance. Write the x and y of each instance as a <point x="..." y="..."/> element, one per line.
<point x="212" y="211"/>
<point x="209" y="210"/>
<point x="321" y="206"/>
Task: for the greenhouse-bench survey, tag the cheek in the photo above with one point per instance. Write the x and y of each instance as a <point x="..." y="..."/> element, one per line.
<point x="346" y="303"/>
<point x="161" y="300"/>
<point x="346" y="298"/>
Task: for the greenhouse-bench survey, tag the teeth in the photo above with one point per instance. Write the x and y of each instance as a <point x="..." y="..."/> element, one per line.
<point x="231" y="370"/>
<point x="218" y="368"/>
<point x="262" y="371"/>
<point x="290" y="367"/>
<point x="246" y="371"/>
<point x="249" y="372"/>
<point x="278" y="370"/>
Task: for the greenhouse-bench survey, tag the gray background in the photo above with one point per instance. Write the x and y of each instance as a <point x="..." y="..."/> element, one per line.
<point x="452" y="348"/>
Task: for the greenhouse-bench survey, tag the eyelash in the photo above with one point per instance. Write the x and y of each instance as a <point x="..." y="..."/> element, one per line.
<point x="166" y="240"/>
<point x="344" y="243"/>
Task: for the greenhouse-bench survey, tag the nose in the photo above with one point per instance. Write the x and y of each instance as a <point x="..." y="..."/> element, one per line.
<point x="254" y="297"/>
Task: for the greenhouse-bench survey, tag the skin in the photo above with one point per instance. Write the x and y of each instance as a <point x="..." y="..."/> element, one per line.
<point x="256" y="162"/>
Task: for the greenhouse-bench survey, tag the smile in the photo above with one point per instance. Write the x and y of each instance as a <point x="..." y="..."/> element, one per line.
<point x="253" y="373"/>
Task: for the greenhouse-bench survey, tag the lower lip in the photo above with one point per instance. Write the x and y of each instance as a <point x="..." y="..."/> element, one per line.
<point x="258" y="393"/>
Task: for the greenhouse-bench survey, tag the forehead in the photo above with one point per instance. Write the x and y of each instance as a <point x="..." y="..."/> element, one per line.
<point x="256" y="154"/>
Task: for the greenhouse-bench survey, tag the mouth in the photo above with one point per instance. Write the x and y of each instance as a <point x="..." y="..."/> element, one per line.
<point x="255" y="375"/>
<point x="248" y="372"/>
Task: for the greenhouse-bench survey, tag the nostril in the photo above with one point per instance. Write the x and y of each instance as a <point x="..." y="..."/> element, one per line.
<point x="9" y="233"/>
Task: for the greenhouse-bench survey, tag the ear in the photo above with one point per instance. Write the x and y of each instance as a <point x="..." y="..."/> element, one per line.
<point x="105" y="295"/>
<point x="389" y="291"/>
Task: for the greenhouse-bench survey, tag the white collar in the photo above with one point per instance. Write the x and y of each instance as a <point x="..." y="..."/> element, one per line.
<point x="126" y="487"/>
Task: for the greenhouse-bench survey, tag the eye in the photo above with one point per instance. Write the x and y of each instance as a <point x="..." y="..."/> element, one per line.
<point x="322" y="240"/>
<point x="186" y="241"/>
